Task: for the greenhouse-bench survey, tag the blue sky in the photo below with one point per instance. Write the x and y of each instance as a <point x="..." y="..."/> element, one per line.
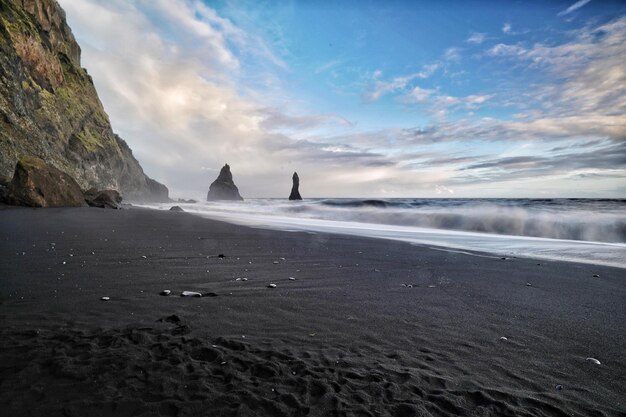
<point x="366" y="98"/>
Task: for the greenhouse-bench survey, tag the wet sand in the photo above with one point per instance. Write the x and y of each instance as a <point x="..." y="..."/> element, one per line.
<point x="368" y="327"/>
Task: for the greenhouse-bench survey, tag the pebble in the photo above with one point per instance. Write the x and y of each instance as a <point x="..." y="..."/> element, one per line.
<point x="504" y="339"/>
<point x="528" y="284"/>
<point x="593" y="360"/>
<point x="596" y="276"/>
<point x="105" y="298"/>
<point x="144" y="256"/>
<point x="190" y="294"/>
<point x="221" y="255"/>
<point x="559" y="387"/>
<point x="165" y="292"/>
<point x="271" y="286"/>
<point x="292" y="279"/>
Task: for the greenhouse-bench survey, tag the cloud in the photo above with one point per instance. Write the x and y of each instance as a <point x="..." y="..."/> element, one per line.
<point x="584" y="86"/>
<point x="442" y="189"/>
<point x="380" y="87"/>
<point x="274" y="119"/>
<point x="608" y="157"/>
<point x="419" y="95"/>
<point x="476" y="38"/>
<point x="452" y="54"/>
<point x="507" y="28"/>
<point x="328" y="66"/>
<point x="573" y="7"/>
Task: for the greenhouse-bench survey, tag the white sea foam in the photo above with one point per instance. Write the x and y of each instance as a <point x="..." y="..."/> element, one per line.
<point x="588" y="231"/>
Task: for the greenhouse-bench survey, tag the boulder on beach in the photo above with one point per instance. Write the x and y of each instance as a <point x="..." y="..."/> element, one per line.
<point x="223" y="188"/>
<point x="176" y="208"/>
<point x="295" y="193"/>
<point x="38" y="184"/>
<point x="103" y="199"/>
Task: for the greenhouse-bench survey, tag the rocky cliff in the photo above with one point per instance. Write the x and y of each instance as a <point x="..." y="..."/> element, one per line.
<point x="49" y="107"/>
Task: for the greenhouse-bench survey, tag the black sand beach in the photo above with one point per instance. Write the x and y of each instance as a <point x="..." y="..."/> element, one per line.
<point x="368" y="327"/>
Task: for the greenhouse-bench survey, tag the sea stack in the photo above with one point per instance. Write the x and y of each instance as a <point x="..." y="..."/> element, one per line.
<point x="223" y="188"/>
<point x="295" y="193"/>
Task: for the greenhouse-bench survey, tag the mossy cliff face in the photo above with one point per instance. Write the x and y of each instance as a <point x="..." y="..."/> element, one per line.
<point x="49" y="107"/>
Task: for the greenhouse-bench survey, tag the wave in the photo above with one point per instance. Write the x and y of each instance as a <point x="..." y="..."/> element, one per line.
<point x="571" y="219"/>
<point x="592" y="231"/>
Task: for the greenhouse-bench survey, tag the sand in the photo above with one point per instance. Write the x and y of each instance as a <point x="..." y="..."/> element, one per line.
<point x="368" y="327"/>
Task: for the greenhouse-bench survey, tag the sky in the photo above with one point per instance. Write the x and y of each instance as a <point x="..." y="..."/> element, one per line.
<point x="366" y="98"/>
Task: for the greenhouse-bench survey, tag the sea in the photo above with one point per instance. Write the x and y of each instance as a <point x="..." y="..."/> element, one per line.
<point x="591" y="231"/>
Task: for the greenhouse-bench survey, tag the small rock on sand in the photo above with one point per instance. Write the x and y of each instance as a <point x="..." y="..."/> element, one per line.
<point x="221" y="255"/>
<point x="292" y="279"/>
<point x="176" y="208"/>
<point x="504" y="339"/>
<point x="559" y="387"/>
<point x="596" y="276"/>
<point x="528" y="284"/>
<point x="105" y="298"/>
<point x="190" y="294"/>
<point x="271" y="286"/>
<point x="165" y="292"/>
<point x="593" y="360"/>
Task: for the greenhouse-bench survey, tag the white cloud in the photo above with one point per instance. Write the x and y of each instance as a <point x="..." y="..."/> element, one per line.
<point x="476" y="38"/>
<point x="452" y="54"/>
<point x="380" y="87"/>
<point x="419" y="95"/>
<point x="507" y="28"/>
<point x="442" y="189"/>
<point x="574" y="7"/>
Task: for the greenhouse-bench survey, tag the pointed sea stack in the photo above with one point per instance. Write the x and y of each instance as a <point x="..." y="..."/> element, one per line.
<point x="295" y="193"/>
<point x="223" y="188"/>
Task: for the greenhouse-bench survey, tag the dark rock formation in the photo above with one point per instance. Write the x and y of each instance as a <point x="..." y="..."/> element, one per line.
<point x="176" y="208"/>
<point x="37" y="184"/>
<point x="49" y="107"/>
<point x="223" y="188"/>
<point x="103" y="199"/>
<point x="295" y="193"/>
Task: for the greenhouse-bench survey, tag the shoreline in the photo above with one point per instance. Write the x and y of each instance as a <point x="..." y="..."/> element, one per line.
<point x="518" y="246"/>
<point x="348" y="336"/>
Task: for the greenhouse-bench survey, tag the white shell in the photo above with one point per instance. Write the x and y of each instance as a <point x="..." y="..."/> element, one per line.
<point x="593" y="360"/>
<point x="166" y="292"/>
<point x="190" y="294"/>
<point x="292" y="279"/>
<point x="504" y="338"/>
<point x="271" y="286"/>
<point x="105" y="298"/>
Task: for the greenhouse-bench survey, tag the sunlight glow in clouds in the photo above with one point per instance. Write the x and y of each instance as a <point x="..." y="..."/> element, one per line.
<point x="493" y="113"/>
